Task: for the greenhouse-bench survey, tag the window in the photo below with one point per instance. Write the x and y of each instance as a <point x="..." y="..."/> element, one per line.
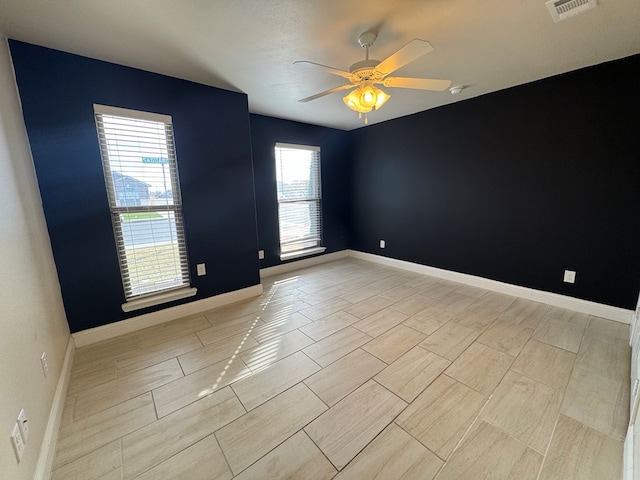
<point x="141" y="176"/>
<point x="299" y="210"/>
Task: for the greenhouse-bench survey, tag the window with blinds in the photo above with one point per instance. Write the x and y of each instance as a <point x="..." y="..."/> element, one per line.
<point x="299" y="208"/>
<point x="141" y="176"/>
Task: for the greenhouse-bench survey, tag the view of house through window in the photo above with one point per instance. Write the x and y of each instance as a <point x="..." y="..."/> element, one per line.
<point x="141" y="175"/>
<point x="299" y="208"/>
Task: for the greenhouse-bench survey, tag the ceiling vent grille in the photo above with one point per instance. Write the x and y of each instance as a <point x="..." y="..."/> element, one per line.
<point x="563" y="9"/>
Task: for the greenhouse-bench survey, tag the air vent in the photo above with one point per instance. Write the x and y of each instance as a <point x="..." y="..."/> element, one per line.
<point x="563" y="9"/>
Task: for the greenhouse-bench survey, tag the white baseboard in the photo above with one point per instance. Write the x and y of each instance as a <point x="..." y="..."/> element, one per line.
<point x="627" y="456"/>
<point x="105" y="332"/>
<point x="297" y="265"/>
<point x="48" y="448"/>
<point x="584" y="306"/>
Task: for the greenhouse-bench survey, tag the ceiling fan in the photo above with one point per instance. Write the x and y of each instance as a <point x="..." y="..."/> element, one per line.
<point x="366" y="74"/>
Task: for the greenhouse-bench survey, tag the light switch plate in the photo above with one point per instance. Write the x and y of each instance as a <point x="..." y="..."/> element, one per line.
<point x="17" y="442"/>
<point x="24" y="425"/>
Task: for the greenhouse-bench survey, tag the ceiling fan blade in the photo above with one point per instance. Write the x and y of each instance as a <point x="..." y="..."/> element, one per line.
<point x="418" y="83"/>
<point x="407" y="54"/>
<point x="335" y="71"/>
<point x="327" y="92"/>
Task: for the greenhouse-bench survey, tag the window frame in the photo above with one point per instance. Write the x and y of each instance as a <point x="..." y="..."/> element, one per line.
<point x="137" y="296"/>
<point x="318" y="248"/>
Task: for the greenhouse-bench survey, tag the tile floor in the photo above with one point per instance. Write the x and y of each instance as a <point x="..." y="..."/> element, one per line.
<point x="351" y="370"/>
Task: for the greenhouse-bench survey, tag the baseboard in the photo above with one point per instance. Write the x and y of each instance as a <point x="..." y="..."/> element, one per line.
<point x="627" y="456"/>
<point x="578" y="305"/>
<point x="48" y="448"/>
<point x="105" y="332"/>
<point x="297" y="265"/>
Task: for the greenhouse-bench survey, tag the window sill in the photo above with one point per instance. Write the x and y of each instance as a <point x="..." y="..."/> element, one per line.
<point x="302" y="253"/>
<point x="159" y="298"/>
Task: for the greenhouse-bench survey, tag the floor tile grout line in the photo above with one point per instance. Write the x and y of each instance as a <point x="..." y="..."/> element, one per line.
<point x="155" y="406"/>
<point x="321" y="451"/>
<point x="121" y="458"/>
<point x="119" y="438"/>
<point x="126" y="399"/>
<point x="266" y="368"/>
<point x="151" y="467"/>
<point x="573" y="369"/>
<point x="287" y="438"/>
<point x="544" y="456"/>
<point x="482" y="393"/>
<point x="417" y="440"/>
<point x="319" y="366"/>
<point x="187" y="446"/>
<point x="370" y="441"/>
<point x="546" y="452"/>
<point x="226" y="460"/>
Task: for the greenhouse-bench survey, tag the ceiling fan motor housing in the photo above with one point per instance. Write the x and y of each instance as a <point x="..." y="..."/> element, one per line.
<point x="366" y="70"/>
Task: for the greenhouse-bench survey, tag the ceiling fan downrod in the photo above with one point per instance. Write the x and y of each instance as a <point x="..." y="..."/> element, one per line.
<point x="366" y="40"/>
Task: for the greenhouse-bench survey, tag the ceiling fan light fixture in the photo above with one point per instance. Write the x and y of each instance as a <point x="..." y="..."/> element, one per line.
<point x="368" y="95"/>
<point x="365" y="98"/>
<point x="382" y="98"/>
<point x="353" y="102"/>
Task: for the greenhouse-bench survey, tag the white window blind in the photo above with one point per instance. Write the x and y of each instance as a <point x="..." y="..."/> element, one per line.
<point x="141" y="176"/>
<point x="299" y="207"/>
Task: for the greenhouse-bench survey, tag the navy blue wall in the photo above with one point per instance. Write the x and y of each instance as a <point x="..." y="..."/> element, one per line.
<point x="335" y="169"/>
<point x="212" y="138"/>
<point x="516" y="186"/>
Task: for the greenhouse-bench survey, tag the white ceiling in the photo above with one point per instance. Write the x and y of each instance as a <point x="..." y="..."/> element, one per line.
<point x="250" y="46"/>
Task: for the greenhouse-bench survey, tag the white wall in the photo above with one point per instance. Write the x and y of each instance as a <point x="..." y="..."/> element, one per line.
<point x="32" y="318"/>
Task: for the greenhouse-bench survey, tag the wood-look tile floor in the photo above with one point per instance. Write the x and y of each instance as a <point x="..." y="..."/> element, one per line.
<point x="351" y="370"/>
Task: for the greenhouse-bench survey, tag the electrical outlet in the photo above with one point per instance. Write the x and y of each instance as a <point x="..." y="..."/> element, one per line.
<point x="44" y="363"/>
<point x="17" y="442"/>
<point x="260" y="254"/>
<point x="383" y="244"/>
<point x="24" y="426"/>
<point x="569" y="276"/>
<point x="202" y="269"/>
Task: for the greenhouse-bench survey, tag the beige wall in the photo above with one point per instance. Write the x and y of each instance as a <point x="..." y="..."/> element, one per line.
<point x="32" y="318"/>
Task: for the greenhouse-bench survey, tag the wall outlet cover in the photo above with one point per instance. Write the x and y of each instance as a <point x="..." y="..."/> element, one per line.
<point x="569" y="276"/>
